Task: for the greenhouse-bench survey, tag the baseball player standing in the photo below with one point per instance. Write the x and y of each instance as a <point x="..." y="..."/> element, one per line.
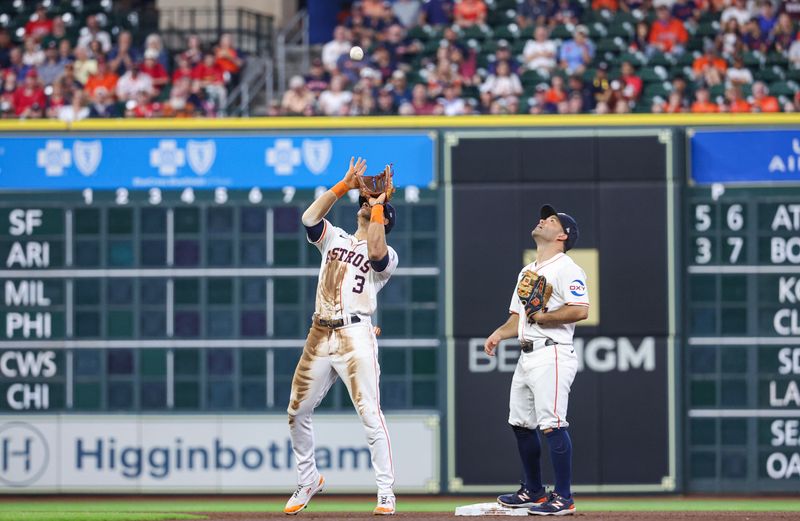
<point x="341" y="341"/>
<point x="550" y="297"/>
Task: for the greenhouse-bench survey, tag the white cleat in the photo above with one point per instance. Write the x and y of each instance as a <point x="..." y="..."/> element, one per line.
<point x="385" y="506"/>
<point x="302" y="496"/>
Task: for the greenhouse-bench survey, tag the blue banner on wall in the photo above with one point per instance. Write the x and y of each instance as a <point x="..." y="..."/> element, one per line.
<point x="751" y="156"/>
<point x="63" y="162"/>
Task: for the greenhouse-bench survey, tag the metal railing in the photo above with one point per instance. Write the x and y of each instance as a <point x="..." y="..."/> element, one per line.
<point x="258" y="78"/>
<point x="252" y="32"/>
<point x="293" y="34"/>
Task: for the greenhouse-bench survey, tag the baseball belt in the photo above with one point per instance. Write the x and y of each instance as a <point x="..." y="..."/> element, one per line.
<point x="336" y="323"/>
<point x="529" y="346"/>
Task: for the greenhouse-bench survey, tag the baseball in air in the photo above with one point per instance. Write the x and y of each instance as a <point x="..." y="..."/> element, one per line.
<point x="356" y="53"/>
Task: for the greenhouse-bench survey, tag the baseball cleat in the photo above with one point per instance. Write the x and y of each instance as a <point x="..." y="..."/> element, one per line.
<point x="302" y="496"/>
<point x="522" y="498"/>
<point x="555" y="506"/>
<point x="385" y="506"/>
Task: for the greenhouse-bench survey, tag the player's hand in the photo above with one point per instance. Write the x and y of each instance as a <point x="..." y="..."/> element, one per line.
<point x="356" y="168"/>
<point x="538" y="318"/>
<point x="377" y="200"/>
<point x="491" y="344"/>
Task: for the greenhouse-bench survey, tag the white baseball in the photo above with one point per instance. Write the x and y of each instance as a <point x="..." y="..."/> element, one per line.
<point x="356" y="53"/>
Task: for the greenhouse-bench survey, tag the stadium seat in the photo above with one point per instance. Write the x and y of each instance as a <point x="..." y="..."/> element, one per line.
<point x="783" y="88"/>
<point x="650" y="74"/>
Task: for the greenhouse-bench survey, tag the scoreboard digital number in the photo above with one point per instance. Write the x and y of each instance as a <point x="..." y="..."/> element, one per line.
<point x="156" y="299"/>
<point x="743" y="326"/>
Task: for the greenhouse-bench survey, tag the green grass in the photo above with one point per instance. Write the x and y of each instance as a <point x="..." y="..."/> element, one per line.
<point x="96" y="516"/>
<point x="150" y="509"/>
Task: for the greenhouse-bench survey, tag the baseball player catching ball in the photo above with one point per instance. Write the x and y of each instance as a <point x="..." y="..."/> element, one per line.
<point x="550" y="297"/>
<point x="341" y="341"/>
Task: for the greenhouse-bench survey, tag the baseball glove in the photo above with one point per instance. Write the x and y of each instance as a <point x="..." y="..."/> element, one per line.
<point x="534" y="292"/>
<point x="372" y="186"/>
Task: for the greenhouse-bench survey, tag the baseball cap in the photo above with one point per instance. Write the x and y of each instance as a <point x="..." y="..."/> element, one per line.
<point x="567" y="222"/>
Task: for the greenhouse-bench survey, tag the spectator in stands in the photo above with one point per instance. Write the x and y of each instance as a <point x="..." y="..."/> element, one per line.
<point x="39" y="25"/>
<point x="69" y="83"/>
<point x="766" y="17"/>
<point x="7" y="97"/>
<point x="298" y="99"/>
<point x="536" y="104"/>
<point x="386" y="105"/>
<point x="641" y="37"/>
<point x="103" y="78"/>
<point x="783" y="34"/>
<point x="228" y="58"/>
<point x="503" y="83"/>
<point x="577" y="88"/>
<point x="77" y="110"/>
<point x="533" y="12"/>
<point x="577" y="53"/>
<point x="794" y="54"/>
<point x="33" y="56"/>
<point x="609" y="5"/>
<point x="153" y="68"/>
<point x="566" y="12"/>
<point x="762" y="101"/>
<point x="686" y="11"/>
<point x="317" y="79"/>
<point x="738" y="74"/>
<point x="84" y="65"/>
<point x="339" y="46"/>
<point x="16" y="66"/>
<point x="469" y="12"/>
<point x="703" y="103"/>
<point x="451" y="103"/>
<point x="183" y="68"/>
<point x="209" y="79"/>
<point x="332" y="100"/>
<point x="601" y="86"/>
<point x="734" y="101"/>
<point x="382" y="61"/>
<point x="124" y="55"/>
<point x="53" y="66"/>
<point x="182" y="102"/>
<point x="675" y="103"/>
<point x="194" y="50"/>
<point x="141" y="106"/>
<point x="503" y="54"/>
<point x="667" y="34"/>
<point x="65" y="51"/>
<point x="436" y="12"/>
<point x="753" y="39"/>
<point x="738" y="10"/>
<point x="466" y="69"/>
<point x="55" y="101"/>
<point x="102" y="104"/>
<point x="420" y="103"/>
<point x="92" y="31"/>
<point x="540" y="53"/>
<point x="28" y="94"/>
<point x="58" y="33"/>
<point x="710" y="67"/>
<point x="398" y="45"/>
<point x="153" y="42"/>
<point x="631" y="84"/>
<point x="556" y="93"/>
<point x="133" y="82"/>
<point x="731" y="39"/>
<point x="400" y="89"/>
<point x="5" y="48"/>
<point x="407" y="11"/>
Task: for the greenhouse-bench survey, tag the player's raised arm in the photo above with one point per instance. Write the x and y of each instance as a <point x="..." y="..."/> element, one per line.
<point x="376" y="233"/>
<point x="320" y="208"/>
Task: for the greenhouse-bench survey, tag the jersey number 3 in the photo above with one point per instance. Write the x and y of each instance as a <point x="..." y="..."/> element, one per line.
<point x="360" y="284"/>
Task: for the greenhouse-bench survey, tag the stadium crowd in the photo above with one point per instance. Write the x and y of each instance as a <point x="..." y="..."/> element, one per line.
<point x="51" y="72"/>
<point x="424" y="57"/>
<point x="555" y="56"/>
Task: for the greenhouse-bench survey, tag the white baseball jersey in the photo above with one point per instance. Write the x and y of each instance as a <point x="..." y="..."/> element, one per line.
<point x="569" y="289"/>
<point x="347" y="283"/>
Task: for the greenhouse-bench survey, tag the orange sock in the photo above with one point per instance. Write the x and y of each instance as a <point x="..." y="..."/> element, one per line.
<point x="340" y="189"/>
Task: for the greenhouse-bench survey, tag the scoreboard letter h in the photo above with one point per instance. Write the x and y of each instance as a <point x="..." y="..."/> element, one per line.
<point x="8" y="453"/>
